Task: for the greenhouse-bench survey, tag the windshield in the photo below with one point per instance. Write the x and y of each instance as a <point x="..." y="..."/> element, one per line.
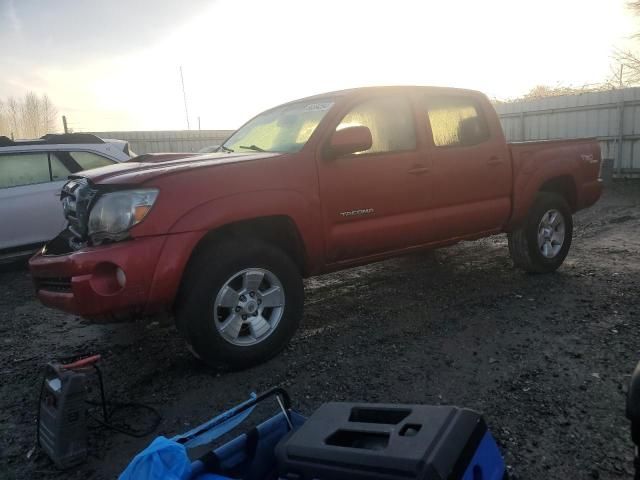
<point x="281" y="129"/>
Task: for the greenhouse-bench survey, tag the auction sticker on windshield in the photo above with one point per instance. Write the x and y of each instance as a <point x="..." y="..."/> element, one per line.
<point x="317" y="107"/>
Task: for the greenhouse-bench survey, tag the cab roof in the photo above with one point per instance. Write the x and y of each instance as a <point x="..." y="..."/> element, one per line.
<point x="386" y="89"/>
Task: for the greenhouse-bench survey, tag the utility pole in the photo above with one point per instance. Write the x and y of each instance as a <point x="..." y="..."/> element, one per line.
<point x="64" y="123"/>
<point x="621" y="68"/>
<point x="198" y="122"/>
<point x="184" y="96"/>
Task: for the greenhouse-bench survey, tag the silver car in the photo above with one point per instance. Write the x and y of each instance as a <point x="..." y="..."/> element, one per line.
<point x="32" y="173"/>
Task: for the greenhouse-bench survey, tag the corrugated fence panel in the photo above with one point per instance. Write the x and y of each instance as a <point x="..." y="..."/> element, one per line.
<point x="169" y="140"/>
<point x="611" y="116"/>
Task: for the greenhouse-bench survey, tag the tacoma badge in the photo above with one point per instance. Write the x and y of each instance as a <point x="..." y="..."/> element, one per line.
<point x="353" y="213"/>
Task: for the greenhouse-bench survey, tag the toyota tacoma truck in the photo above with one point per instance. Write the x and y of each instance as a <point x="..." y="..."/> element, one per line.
<point x="224" y="240"/>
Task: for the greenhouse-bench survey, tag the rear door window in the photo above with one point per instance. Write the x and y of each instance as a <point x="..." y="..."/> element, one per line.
<point x="390" y="120"/>
<point x="62" y="166"/>
<point x="456" y="121"/>
<point x="88" y="160"/>
<point x="19" y="169"/>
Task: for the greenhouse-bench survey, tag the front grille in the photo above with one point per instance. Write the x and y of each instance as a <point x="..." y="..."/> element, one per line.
<point x="77" y="195"/>
<point x="54" y="284"/>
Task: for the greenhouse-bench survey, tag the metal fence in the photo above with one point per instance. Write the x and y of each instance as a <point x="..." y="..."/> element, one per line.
<point x="169" y="140"/>
<point x="612" y="116"/>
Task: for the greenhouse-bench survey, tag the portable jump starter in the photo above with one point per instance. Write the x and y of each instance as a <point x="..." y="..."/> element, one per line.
<point x="62" y="422"/>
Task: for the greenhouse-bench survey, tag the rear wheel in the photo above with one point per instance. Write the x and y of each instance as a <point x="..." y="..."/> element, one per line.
<point x="542" y="243"/>
<point x="241" y="304"/>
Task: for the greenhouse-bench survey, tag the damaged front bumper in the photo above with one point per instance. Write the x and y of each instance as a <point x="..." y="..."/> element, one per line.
<point x="98" y="281"/>
<point x="137" y="276"/>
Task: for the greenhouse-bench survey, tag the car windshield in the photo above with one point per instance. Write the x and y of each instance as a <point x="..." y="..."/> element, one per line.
<point x="281" y="129"/>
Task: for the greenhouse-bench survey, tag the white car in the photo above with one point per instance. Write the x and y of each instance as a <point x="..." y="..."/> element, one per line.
<point x="32" y="173"/>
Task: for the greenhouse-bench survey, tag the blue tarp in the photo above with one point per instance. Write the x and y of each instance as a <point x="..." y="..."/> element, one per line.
<point x="167" y="458"/>
<point x="163" y="459"/>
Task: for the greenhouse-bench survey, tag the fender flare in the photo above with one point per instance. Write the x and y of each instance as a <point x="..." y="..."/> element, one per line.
<point x="230" y="209"/>
<point x="528" y="183"/>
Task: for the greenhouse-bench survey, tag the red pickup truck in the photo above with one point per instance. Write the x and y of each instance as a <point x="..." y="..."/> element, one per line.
<point x="224" y="240"/>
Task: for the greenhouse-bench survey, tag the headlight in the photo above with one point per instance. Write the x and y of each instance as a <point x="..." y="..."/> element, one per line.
<point x="115" y="213"/>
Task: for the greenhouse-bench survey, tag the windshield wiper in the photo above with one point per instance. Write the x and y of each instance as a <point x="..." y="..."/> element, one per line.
<point x="226" y="149"/>
<point x="255" y="148"/>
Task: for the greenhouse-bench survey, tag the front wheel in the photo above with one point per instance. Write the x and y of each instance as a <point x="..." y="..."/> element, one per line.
<point x="242" y="304"/>
<point x="542" y="243"/>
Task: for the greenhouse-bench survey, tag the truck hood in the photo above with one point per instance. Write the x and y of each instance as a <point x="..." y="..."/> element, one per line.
<point x="135" y="172"/>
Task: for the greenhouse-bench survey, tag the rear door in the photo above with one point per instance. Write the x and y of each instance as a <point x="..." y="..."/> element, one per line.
<point x="374" y="201"/>
<point x="472" y="180"/>
<point x="30" y="210"/>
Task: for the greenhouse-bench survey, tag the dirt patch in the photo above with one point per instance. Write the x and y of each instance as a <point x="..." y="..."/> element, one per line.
<point x="546" y="358"/>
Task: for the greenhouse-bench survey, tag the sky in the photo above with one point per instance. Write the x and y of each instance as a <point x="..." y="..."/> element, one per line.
<point x="115" y="65"/>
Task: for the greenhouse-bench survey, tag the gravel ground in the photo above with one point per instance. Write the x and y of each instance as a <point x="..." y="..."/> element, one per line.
<point x="546" y="358"/>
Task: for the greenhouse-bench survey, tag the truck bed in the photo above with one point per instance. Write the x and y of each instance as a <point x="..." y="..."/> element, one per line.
<point x="575" y="162"/>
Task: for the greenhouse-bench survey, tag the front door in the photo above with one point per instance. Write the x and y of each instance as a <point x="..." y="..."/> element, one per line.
<point x="374" y="201"/>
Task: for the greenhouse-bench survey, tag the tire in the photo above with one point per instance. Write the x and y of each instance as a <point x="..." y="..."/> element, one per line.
<point x="542" y="243"/>
<point x="225" y="323"/>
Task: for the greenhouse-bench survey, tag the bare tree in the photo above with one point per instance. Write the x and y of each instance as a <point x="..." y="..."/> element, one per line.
<point x="4" y="119"/>
<point x="15" y="123"/>
<point x="545" y="91"/>
<point x="30" y="117"/>
<point x="625" y="70"/>
<point x="48" y="115"/>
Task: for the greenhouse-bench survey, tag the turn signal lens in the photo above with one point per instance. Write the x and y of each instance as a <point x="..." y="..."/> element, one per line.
<point x="140" y="211"/>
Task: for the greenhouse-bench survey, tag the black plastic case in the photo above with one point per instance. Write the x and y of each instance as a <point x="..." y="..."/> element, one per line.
<point x="381" y="441"/>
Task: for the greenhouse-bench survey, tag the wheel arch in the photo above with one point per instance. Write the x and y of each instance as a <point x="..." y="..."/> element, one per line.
<point x="527" y="188"/>
<point x="278" y="230"/>
<point x="565" y="186"/>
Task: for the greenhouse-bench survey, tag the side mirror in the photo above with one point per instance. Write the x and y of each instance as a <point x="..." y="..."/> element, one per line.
<point x="350" y="140"/>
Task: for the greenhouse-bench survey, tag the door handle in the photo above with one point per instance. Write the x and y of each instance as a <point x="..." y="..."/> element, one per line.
<point x="418" y="170"/>
<point x="494" y="160"/>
